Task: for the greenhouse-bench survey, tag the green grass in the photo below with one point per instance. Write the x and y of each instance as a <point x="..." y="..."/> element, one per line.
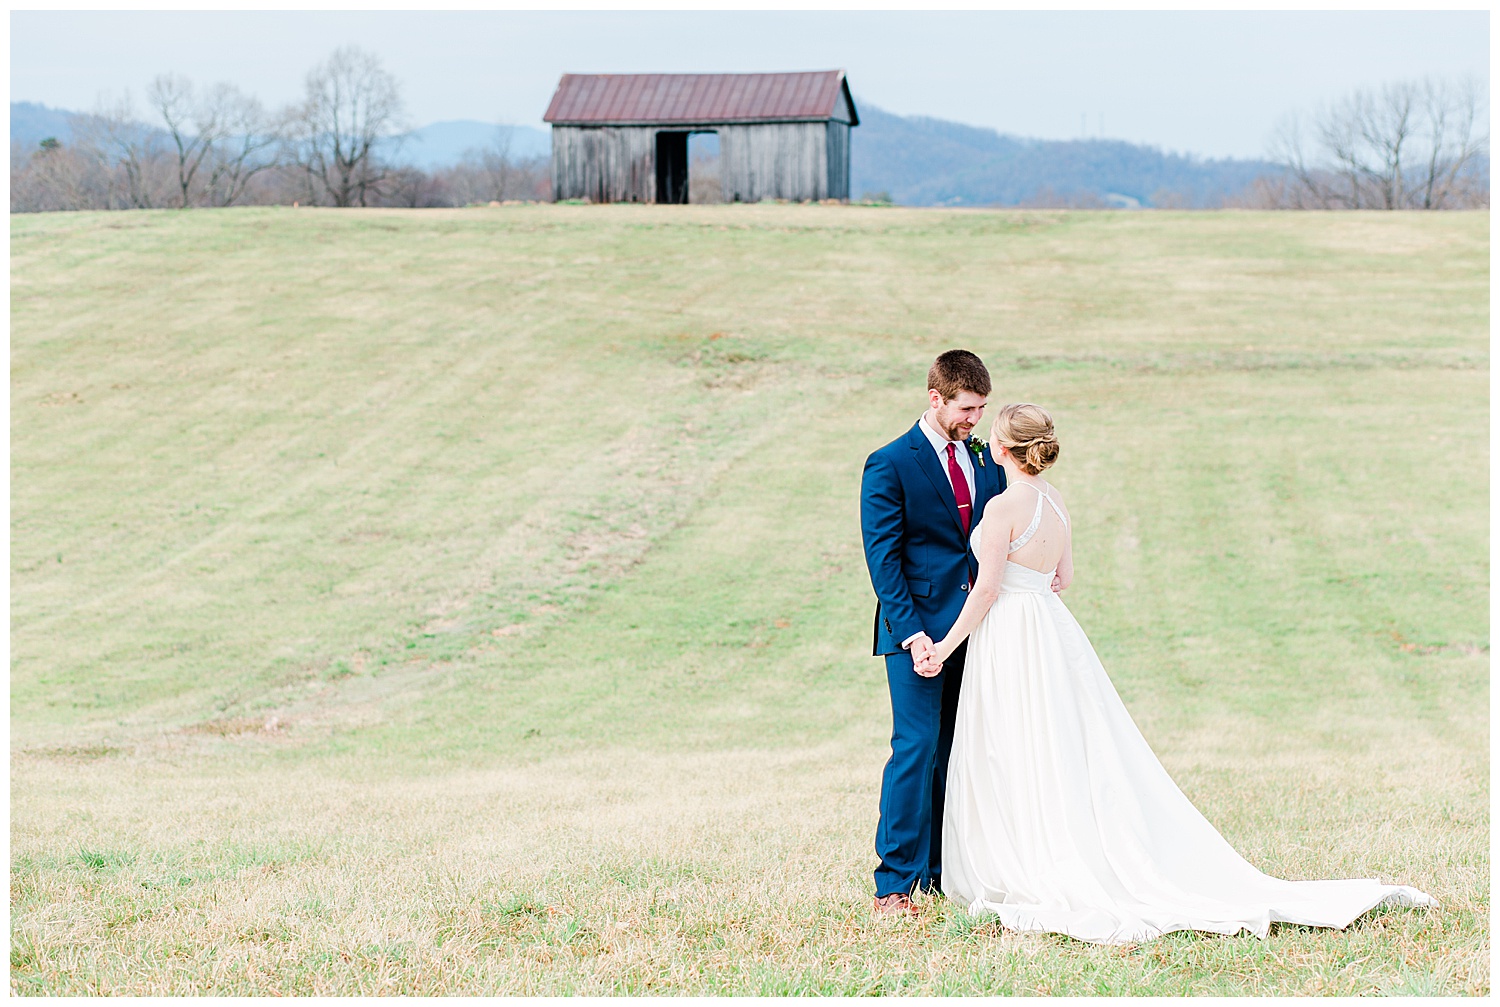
<point x="472" y="601"/>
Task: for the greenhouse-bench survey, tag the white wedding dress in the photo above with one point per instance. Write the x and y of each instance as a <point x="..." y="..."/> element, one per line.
<point x="1058" y="816"/>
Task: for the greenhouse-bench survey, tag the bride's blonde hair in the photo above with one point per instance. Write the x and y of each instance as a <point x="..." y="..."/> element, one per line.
<point x="1027" y="430"/>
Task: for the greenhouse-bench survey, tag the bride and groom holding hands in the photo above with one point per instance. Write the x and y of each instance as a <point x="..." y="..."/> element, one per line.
<point x="1018" y="784"/>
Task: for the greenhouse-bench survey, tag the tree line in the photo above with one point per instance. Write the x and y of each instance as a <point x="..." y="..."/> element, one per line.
<point x="340" y="145"/>
<point x="1405" y="145"/>
<point x="1419" y="144"/>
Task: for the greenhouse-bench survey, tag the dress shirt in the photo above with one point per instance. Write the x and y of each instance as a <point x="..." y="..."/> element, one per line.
<point x="960" y="451"/>
<point x="965" y="463"/>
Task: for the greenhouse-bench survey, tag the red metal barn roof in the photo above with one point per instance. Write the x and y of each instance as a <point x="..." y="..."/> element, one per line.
<point x="698" y="98"/>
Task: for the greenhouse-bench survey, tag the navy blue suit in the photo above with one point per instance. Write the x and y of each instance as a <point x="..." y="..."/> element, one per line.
<point x="921" y="567"/>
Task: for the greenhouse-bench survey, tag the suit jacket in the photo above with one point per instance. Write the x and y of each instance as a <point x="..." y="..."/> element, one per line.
<point x="919" y="557"/>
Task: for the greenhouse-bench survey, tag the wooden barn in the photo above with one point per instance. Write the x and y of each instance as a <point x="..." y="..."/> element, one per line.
<point x="620" y="138"/>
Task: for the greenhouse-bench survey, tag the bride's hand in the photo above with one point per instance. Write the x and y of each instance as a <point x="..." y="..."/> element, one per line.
<point x="923" y="657"/>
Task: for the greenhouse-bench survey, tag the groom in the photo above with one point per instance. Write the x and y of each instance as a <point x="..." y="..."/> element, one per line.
<point x="922" y="495"/>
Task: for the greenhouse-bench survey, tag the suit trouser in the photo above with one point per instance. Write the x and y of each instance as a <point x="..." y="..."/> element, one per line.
<point x="909" y="838"/>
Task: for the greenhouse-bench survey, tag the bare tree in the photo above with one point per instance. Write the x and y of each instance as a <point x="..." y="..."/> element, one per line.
<point x="192" y="124"/>
<point x="1305" y="189"/>
<point x="1268" y="192"/>
<point x="496" y="164"/>
<point x="218" y="146"/>
<point x="493" y="173"/>
<point x="1457" y="143"/>
<point x="248" y="144"/>
<point x="353" y="104"/>
<point x="128" y="151"/>
<point x="408" y="186"/>
<point x="1367" y="136"/>
<point x="222" y="138"/>
<point x="1406" y="145"/>
<point x="57" y="176"/>
<point x="488" y="176"/>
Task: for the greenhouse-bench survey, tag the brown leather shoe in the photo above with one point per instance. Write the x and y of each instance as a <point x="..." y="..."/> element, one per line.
<point x="889" y="905"/>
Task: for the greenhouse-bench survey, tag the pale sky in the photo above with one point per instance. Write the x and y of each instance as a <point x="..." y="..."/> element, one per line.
<point x="1209" y="83"/>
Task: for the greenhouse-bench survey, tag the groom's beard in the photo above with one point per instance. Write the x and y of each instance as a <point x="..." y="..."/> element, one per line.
<point x="956" y="433"/>
<point x="950" y="430"/>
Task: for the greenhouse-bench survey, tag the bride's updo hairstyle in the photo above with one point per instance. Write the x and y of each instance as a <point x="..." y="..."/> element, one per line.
<point x="1027" y="430"/>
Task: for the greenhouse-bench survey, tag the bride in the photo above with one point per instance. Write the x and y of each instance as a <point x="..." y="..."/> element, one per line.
<point x="1058" y="816"/>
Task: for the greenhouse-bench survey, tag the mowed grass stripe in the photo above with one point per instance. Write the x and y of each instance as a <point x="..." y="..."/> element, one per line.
<point x="308" y="486"/>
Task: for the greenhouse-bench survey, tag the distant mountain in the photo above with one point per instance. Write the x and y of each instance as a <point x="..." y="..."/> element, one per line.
<point x="439" y="145"/>
<point x="925" y="162"/>
<point x="31" y="123"/>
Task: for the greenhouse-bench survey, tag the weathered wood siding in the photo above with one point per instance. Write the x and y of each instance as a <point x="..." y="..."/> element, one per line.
<point x="606" y="164"/>
<point x="776" y="160"/>
<point x="838" y="160"/>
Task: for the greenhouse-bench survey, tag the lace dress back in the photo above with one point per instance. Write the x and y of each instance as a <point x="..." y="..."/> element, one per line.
<point x="1036" y="519"/>
<point x="1019" y="576"/>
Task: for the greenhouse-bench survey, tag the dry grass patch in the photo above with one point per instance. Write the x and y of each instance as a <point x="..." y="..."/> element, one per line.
<point x="732" y="872"/>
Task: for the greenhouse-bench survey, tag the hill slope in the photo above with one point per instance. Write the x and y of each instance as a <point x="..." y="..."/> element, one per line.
<point x="445" y="601"/>
<point x="31" y="123"/>
<point x="924" y="161"/>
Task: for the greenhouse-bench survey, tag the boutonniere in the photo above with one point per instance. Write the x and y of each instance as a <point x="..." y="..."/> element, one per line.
<point x="977" y="446"/>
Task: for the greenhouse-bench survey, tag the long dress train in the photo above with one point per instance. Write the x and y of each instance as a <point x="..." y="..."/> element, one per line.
<point x="1059" y="818"/>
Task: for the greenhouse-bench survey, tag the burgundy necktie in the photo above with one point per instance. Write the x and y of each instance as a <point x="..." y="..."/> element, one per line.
<point x="960" y="489"/>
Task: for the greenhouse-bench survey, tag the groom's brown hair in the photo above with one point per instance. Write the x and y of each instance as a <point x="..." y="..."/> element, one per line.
<point x="958" y="371"/>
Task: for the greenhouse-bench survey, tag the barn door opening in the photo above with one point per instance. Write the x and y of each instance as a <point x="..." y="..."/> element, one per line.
<point x="704" y="181"/>
<point x="671" y="167"/>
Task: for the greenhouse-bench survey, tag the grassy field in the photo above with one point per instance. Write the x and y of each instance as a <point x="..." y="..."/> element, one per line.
<point x="472" y="602"/>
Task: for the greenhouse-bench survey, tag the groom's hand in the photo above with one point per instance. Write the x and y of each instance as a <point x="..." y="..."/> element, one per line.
<point x="924" y="656"/>
<point x="930" y="667"/>
<point x="1057" y="583"/>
